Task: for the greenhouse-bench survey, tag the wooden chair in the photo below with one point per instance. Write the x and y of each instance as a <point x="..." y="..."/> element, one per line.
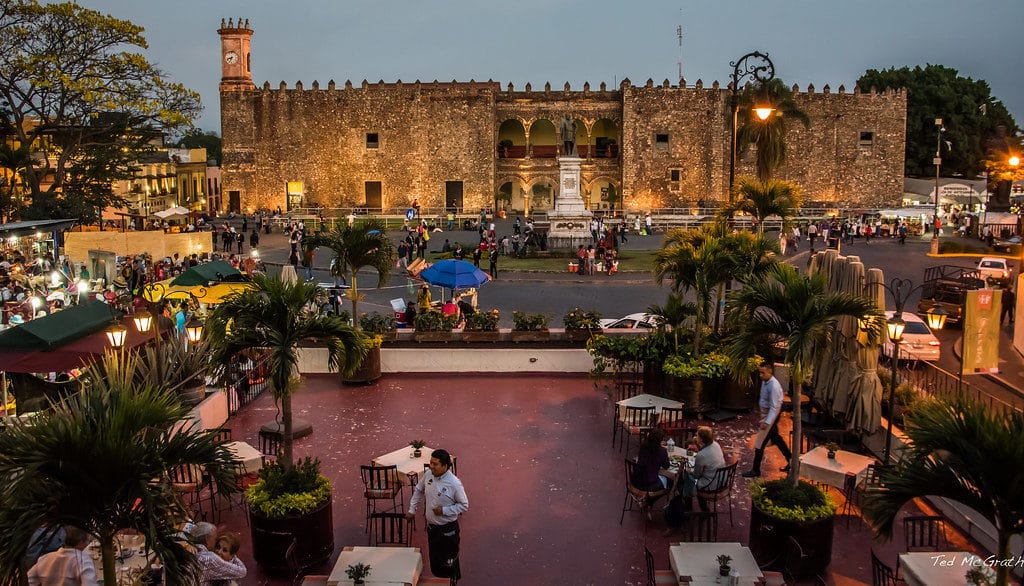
<point x="655" y="577"/>
<point x="700" y="527"/>
<point x="881" y="574"/>
<point x="389" y="529"/>
<point x="635" y="421"/>
<point x="380" y="483"/>
<point x="924" y="533"/>
<point x="189" y="480"/>
<point x="723" y="482"/>
<point x="671" y="420"/>
<point x="637" y="496"/>
<point x="222" y="434"/>
<point x="270" y="445"/>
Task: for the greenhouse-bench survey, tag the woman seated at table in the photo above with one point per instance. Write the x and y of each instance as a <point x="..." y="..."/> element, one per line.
<point x="651" y="458"/>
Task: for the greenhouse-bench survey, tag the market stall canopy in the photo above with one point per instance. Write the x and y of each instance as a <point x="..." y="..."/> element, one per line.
<point x="72" y="355"/>
<point x="206" y="273"/>
<point x="58" y="328"/>
<point x="999" y="218"/>
<point x="30" y="227"/>
<point x="175" y="213"/>
<point x="454" y="274"/>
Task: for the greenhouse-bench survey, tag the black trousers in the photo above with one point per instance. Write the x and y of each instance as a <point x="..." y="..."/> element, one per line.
<point x="443" y="542"/>
<point x="773" y="437"/>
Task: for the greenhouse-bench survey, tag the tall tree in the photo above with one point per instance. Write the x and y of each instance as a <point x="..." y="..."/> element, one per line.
<point x="13" y="161"/>
<point x="71" y="80"/>
<point x="963" y="450"/>
<point x="199" y="139"/>
<point x="763" y="199"/>
<point x="279" y="317"/>
<point x="768" y="136"/>
<point x="968" y="110"/>
<point x="798" y="312"/>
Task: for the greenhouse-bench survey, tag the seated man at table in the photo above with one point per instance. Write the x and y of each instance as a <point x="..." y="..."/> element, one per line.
<point x="212" y="566"/>
<point x="68" y="565"/>
<point x="706" y="463"/>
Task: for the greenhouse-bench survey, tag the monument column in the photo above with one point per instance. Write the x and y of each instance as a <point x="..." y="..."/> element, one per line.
<point x="570" y="220"/>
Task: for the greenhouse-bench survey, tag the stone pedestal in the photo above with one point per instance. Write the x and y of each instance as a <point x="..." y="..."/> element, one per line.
<point x="570" y="220"/>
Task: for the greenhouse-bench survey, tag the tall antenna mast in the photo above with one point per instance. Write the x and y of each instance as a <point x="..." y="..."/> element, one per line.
<point x="679" y="36"/>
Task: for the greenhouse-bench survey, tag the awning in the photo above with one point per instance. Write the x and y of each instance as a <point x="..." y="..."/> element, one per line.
<point x="58" y="328"/>
<point x="72" y="355"/>
<point x="29" y="227"/>
<point x="206" y="273"/>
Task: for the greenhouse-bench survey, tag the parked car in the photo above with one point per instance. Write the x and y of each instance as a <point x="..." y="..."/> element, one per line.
<point x="1009" y="246"/>
<point x="631" y="321"/>
<point x="995" y="270"/>
<point x="918" y="343"/>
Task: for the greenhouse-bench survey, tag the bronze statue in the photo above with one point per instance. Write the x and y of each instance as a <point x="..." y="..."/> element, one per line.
<point x="568" y="130"/>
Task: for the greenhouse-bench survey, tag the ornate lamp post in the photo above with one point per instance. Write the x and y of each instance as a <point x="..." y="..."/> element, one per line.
<point x="760" y="68"/>
<point x="938" y="166"/>
<point x="901" y="290"/>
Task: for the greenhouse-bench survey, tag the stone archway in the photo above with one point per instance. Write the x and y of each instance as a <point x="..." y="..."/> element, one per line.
<point x="605" y="135"/>
<point x="541" y="193"/>
<point x="511" y="140"/>
<point x="543" y="139"/>
<point x="515" y="187"/>
<point x="603" y="193"/>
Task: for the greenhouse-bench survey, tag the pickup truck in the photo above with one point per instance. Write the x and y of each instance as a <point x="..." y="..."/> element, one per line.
<point x="946" y="286"/>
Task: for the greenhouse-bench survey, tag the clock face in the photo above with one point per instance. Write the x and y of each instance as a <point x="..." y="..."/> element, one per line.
<point x="231" y="57"/>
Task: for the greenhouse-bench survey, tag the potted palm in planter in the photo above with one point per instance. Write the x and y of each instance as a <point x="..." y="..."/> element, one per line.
<point x="377" y="328"/>
<point x="276" y="317"/>
<point x="417" y="447"/>
<point x="482" y="326"/>
<point x="695" y="381"/>
<point x="529" y="327"/>
<point x="433" y="326"/>
<point x="358" y="573"/>
<point x="723" y="564"/>
<point x="581" y="324"/>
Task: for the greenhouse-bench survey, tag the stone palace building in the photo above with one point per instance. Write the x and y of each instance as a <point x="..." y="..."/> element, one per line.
<point x="458" y="144"/>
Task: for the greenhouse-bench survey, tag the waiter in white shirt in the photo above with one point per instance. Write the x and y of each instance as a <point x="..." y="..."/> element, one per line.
<point x="771" y="407"/>
<point x="446" y="500"/>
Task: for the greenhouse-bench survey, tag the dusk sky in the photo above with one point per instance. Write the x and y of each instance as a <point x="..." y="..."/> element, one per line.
<point x="536" y="41"/>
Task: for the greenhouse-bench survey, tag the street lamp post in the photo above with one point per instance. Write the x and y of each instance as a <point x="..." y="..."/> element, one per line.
<point x="901" y="290"/>
<point x="760" y="68"/>
<point x="938" y="166"/>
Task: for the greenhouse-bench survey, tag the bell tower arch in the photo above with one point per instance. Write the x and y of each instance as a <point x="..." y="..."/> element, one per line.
<point x="235" y="63"/>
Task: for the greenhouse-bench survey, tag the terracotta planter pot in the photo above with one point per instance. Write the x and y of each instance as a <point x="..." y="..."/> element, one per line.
<point x="768" y="537"/>
<point x="531" y="336"/>
<point x="581" y="335"/>
<point x="432" y="336"/>
<point x="696" y="394"/>
<point x="271" y="538"/>
<point x="368" y="371"/>
<point x="481" y="336"/>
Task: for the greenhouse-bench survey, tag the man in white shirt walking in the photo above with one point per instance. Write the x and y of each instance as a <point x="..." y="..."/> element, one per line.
<point x="771" y="407"/>
<point x="445" y="501"/>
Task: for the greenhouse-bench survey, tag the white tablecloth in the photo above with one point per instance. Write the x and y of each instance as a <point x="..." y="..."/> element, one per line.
<point x="406" y="464"/>
<point x="388" y="565"/>
<point x="815" y="465"/>
<point x="248" y="456"/>
<point x="695" y="562"/>
<point x="677" y="455"/>
<point x="646" y="400"/>
<point x="935" y="568"/>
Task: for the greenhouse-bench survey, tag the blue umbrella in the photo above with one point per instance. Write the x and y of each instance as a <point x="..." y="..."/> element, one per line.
<point x="454" y="274"/>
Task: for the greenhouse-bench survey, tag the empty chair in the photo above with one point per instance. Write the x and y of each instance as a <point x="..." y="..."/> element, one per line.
<point x="298" y="567"/>
<point x="924" y="533"/>
<point x="635" y="421"/>
<point x="636" y="496"/>
<point x="389" y="529"/>
<point x="189" y="480"/>
<point x="655" y="577"/>
<point x="700" y="526"/>
<point x="850" y="496"/>
<point x="270" y="446"/>
<point x="671" y="420"/>
<point x="222" y="434"/>
<point x="793" y="567"/>
<point x="719" y="489"/>
<point x="626" y="388"/>
<point x="380" y="483"/>
<point x="881" y="574"/>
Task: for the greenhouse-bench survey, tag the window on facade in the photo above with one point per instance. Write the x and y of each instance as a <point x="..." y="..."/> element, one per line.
<point x="867" y="138"/>
<point x="661" y="141"/>
<point x="674" y="174"/>
<point x="372" y="141"/>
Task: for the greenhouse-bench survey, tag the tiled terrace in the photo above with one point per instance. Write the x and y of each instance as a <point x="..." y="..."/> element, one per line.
<point x="545" y="485"/>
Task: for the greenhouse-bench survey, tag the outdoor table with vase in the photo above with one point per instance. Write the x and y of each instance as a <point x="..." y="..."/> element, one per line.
<point x="679" y="458"/>
<point x="645" y="400"/>
<point x="130" y="559"/>
<point x="409" y="466"/>
<point x="935" y="568"/>
<point x="388" y="565"/>
<point x="815" y="465"/>
<point x="248" y="456"/>
<point x="696" y="563"/>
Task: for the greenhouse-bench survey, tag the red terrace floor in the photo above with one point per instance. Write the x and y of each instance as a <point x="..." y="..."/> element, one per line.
<point x="544" y="484"/>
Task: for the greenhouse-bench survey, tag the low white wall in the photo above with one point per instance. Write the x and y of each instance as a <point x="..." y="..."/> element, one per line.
<point x="392" y="360"/>
<point x="212" y="412"/>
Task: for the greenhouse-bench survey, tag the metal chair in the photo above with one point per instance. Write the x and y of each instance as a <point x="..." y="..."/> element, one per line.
<point x="222" y="434"/>
<point x="637" y="496"/>
<point x="389" y="529"/>
<point x="671" y="420"/>
<point x="627" y="388"/>
<point x="297" y="567"/>
<point x="655" y="577"/>
<point x="793" y="567"/>
<point x="700" y="527"/>
<point x="881" y="574"/>
<point x="189" y="480"/>
<point x="635" y="421"/>
<point x="380" y="483"/>
<point x="270" y="445"/>
<point x="924" y="533"/>
<point x="850" y="496"/>
<point x="723" y="482"/>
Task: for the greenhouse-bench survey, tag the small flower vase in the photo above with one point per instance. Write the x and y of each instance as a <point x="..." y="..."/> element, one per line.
<point x="831" y="454"/>
<point x="416" y="453"/>
<point x="723" y="570"/>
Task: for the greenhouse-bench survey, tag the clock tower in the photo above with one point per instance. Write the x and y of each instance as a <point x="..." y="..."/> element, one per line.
<point x="234" y="55"/>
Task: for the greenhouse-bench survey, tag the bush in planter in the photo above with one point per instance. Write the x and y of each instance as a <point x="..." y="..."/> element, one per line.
<point x="482" y="321"/>
<point x="434" y="321"/>
<point x="581" y="319"/>
<point x="612" y="353"/>
<point x="529" y="322"/>
<point x="781" y="500"/>
<point x="376" y="323"/>
<point x="709" y="366"/>
<point x="282" y="492"/>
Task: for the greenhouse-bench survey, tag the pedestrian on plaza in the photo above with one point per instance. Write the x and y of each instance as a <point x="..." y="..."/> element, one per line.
<point x="494" y="263"/>
<point x="245" y="224"/>
<point x="445" y="500"/>
<point x="458" y="253"/>
<point x="254" y="239"/>
<point x="649" y="224"/>
<point x="771" y="407"/>
<point x="591" y="260"/>
<point x="477" y="254"/>
<point x="903" y="232"/>
<point x="1009" y="304"/>
<point x="241" y="241"/>
<point x="812" y="233"/>
<point x="867" y="234"/>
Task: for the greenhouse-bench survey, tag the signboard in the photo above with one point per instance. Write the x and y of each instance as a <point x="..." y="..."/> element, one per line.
<point x="981" y="331"/>
<point x="295" y="188"/>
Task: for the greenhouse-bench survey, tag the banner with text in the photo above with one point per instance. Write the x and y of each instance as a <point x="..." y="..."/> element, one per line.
<point x="981" y="331"/>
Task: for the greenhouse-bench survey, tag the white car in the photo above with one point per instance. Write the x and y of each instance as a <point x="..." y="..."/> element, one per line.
<point x="995" y="270"/>
<point x="631" y="321"/>
<point x="918" y="343"/>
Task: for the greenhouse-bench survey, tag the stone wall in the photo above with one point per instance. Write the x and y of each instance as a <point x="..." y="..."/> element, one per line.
<point x="431" y="133"/>
<point x="78" y="244"/>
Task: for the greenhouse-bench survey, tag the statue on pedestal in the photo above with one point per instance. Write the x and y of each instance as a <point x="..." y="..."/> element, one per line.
<point x="568" y="131"/>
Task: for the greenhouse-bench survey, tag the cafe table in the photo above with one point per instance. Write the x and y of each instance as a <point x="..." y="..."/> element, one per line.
<point x="130" y="559"/>
<point x="678" y="458"/>
<point x="696" y="563"/>
<point x="408" y="465"/>
<point x="936" y="568"/>
<point x="248" y="456"/>
<point x="388" y="565"/>
<point x="815" y="465"/>
<point x="646" y="400"/>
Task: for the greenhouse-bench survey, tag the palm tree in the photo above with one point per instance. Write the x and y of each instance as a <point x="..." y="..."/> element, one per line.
<point x="278" y="317"/>
<point x="769" y="136"/>
<point x="962" y="450"/>
<point x="798" y="311"/>
<point x="747" y="255"/>
<point x="99" y="461"/>
<point x="673" y="315"/>
<point x="356" y="247"/>
<point x="765" y="198"/>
